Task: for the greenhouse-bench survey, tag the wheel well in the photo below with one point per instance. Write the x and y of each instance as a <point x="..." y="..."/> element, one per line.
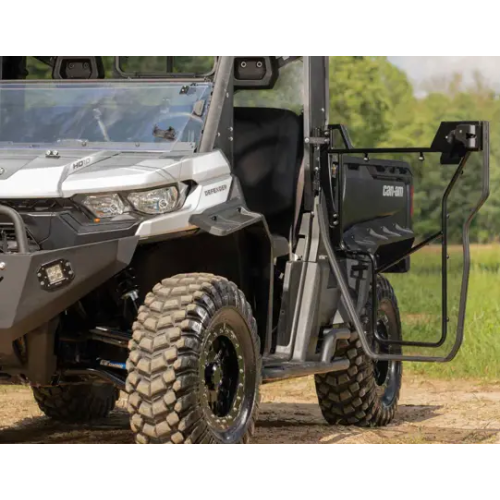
<point x="243" y="257"/>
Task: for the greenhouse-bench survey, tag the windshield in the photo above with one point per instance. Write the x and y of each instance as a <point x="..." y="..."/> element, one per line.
<point x="107" y="115"/>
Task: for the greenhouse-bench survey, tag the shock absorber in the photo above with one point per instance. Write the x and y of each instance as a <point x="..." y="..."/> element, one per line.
<point x="128" y="293"/>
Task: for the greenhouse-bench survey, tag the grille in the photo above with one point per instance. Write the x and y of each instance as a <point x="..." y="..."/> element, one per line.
<point x="39" y="205"/>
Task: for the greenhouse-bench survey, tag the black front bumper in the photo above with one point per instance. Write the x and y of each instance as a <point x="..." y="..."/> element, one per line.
<point x="26" y="302"/>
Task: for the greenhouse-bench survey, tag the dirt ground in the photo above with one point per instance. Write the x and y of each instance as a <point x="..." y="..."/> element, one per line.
<point x="429" y="412"/>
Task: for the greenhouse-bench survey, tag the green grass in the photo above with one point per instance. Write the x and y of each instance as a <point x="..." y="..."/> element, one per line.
<point x="419" y="296"/>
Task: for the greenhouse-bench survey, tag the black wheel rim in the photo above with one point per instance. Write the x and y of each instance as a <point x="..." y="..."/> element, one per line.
<point x="223" y="369"/>
<point x="227" y="376"/>
<point x="386" y="372"/>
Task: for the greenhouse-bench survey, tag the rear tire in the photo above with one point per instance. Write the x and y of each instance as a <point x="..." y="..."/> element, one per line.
<point x="76" y="403"/>
<point x="194" y="365"/>
<point x="367" y="393"/>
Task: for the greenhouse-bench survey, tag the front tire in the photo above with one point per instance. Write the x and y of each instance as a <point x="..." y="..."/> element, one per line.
<point x="194" y="365"/>
<point x="367" y="393"/>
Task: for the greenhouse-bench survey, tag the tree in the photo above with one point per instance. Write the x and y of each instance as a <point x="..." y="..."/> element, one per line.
<point x="455" y="104"/>
<point x="370" y="96"/>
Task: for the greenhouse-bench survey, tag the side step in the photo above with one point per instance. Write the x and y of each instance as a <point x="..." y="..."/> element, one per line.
<point x="289" y="370"/>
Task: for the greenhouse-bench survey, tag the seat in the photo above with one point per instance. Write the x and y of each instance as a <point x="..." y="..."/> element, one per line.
<point x="268" y="153"/>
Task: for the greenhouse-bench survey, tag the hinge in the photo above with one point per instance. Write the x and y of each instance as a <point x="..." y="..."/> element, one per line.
<point x="317" y="141"/>
<point x="316" y="180"/>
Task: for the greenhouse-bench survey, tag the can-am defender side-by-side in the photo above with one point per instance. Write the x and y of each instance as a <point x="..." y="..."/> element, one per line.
<point x="188" y="237"/>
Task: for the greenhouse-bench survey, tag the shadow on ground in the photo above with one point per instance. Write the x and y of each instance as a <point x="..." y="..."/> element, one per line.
<point x="278" y="423"/>
<point x="303" y="423"/>
<point x="286" y="414"/>
<point x="114" y="429"/>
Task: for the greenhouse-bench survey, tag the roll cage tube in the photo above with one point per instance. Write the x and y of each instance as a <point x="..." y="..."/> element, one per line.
<point x="455" y="141"/>
<point x="19" y="228"/>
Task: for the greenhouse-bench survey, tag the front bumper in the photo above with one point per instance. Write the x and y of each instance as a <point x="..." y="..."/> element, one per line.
<point x="26" y="302"/>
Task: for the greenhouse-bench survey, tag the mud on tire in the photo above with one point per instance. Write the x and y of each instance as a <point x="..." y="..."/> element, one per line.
<point x="169" y="366"/>
<point x="76" y="403"/>
<point x="367" y="393"/>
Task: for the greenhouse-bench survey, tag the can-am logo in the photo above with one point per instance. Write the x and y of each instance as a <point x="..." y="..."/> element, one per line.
<point x="393" y="191"/>
<point x="215" y="190"/>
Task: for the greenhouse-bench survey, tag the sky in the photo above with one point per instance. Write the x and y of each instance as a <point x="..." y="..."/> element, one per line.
<point x="425" y="68"/>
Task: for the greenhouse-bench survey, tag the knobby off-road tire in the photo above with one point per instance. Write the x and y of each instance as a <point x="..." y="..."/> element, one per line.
<point x="194" y="365"/>
<point x="76" y="403"/>
<point x="367" y="393"/>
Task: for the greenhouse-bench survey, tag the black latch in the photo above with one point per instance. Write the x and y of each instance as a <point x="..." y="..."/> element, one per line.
<point x="467" y="135"/>
<point x="188" y="89"/>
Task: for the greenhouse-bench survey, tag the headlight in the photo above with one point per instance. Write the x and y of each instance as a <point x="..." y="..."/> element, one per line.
<point x="104" y="206"/>
<point x="153" y="202"/>
<point x="157" y="201"/>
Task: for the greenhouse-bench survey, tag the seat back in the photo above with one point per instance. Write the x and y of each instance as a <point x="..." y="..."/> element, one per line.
<point x="268" y="153"/>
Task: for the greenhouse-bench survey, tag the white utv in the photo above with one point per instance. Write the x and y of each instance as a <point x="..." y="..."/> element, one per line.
<point x="188" y="237"/>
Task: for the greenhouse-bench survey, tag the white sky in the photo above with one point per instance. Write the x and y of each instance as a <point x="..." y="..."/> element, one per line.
<point x="422" y="68"/>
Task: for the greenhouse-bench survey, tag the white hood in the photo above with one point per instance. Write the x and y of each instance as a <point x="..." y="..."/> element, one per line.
<point x="35" y="174"/>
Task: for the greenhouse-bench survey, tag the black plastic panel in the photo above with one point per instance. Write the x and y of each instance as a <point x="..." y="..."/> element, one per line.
<point x="375" y="213"/>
